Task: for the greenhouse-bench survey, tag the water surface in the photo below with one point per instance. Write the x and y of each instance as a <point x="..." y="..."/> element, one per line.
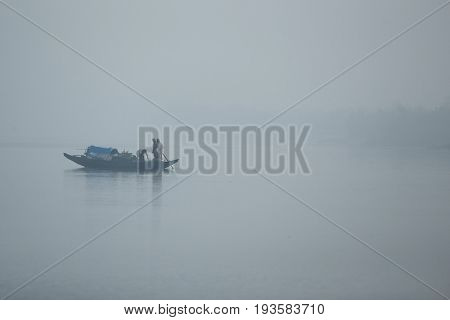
<point x="228" y="236"/>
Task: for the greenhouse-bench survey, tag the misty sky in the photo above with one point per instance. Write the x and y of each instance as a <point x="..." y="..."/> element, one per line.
<point x="209" y="62"/>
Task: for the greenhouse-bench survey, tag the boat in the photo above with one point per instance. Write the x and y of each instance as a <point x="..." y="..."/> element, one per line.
<point x="110" y="159"/>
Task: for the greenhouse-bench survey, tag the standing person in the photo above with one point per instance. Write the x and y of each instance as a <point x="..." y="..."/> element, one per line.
<point x="159" y="148"/>
<point x="155" y="148"/>
<point x="141" y="162"/>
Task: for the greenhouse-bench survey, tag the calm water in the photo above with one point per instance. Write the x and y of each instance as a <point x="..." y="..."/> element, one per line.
<point x="228" y="237"/>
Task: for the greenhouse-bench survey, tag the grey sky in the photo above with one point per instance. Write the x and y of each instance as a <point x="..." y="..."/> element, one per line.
<point x="209" y="62"/>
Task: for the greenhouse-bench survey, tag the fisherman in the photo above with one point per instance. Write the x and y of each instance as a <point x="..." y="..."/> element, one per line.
<point x="159" y="148"/>
<point x="141" y="154"/>
<point x="155" y="148"/>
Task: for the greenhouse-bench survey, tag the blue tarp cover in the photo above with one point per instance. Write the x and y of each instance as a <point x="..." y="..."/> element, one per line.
<point x="93" y="150"/>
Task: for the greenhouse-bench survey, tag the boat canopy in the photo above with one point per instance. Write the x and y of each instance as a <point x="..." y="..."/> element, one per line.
<point x="94" y="151"/>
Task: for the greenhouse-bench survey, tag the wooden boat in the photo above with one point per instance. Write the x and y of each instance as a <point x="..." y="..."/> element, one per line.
<point x="120" y="163"/>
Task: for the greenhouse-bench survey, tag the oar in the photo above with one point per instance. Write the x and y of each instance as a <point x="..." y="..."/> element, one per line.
<point x="167" y="160"/>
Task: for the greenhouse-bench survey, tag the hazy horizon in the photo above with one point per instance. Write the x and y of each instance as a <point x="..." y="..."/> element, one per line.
<point x="210" y="62"/>
<point x="369" y="220"/>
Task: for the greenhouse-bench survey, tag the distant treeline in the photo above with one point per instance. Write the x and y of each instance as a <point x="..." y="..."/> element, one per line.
<point x="397" y="126"/>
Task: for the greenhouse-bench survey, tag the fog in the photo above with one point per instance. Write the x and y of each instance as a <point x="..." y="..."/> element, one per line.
<point x="369" y="222"/>
<point x="211" y="62"/>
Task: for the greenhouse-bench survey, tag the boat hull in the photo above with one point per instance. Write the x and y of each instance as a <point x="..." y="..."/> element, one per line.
<point x="118" y="164"/>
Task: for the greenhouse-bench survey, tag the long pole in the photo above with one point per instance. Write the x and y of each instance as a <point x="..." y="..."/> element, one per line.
<point x="167" y="159"/>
